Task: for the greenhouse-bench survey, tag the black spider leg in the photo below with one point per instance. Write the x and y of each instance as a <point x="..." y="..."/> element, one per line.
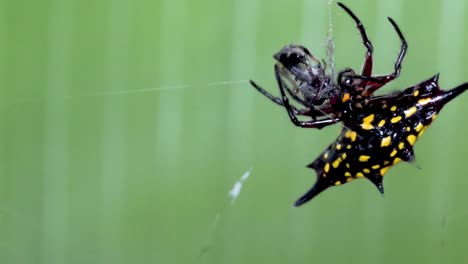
<point x="277" y="100"/>
<point x="367" y="67"/>
<point x="311" y="112"/>
<point x="306" y="124"/>
<point x="378" y="81"/>
<point x="373" y="84"/>
<point x="293" y="94"/>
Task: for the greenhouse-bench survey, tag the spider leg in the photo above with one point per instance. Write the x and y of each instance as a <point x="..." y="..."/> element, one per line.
<point x="367" y="67"/>
<point x="306" y="124"/>
<point x="291" y="93"/>
<point x="308" y="111"/>
<point x="379" y="81"/>
<point x="313" y="111"/>
<point x="295" y="97"/>
<point x="404" y="47"/>
<point x="278" y="100"/>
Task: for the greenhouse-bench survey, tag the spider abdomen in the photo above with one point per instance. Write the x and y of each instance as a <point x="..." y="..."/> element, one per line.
<point x="379" y="135"/>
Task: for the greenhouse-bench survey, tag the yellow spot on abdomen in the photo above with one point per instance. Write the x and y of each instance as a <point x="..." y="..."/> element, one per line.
<point x="396" y="160"/>
<point x="422" y="131"/>
<point x="351" y="134"/>
<point x="434" y="117"/>
<point x="410" y="111"/>
<point x="384" y="170"/>
<point x="327" y="167"/>
<point x="364" y="158"/>
<point x="386" y="141"/>
<point x="336" y="163"/>
<point x="347" y="174"/>
<point x="401" y="145"/>
<point x="348" y="133"/>
<point x="381" y="123"/>
<point x="394" y="152"/>
<point x="419" y="127"/>
<point x="416" y="93"/>
<point x="366" y="122"/>
<point x="337" y="183"/>
<point x="325" y="156"/>
<point x="338" y="146"/>
<point x="393" y="108"/>
<point x="343" y="156"/>
<point x="424" y="101"/>
<point x="366" y="170"/>
<point x="359" y="175"/>
<point x="411" y="139"/>
<point x="376" y="166"/>
<point x="396" y="119"/>
<point x="348" y="147"/>
<point x="345" y="98"/>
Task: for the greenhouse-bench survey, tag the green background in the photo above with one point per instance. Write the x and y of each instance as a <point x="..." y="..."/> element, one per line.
<point x="124" y="124"/>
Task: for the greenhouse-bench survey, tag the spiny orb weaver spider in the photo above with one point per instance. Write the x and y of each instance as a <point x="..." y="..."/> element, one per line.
<point x="378" y="131"/>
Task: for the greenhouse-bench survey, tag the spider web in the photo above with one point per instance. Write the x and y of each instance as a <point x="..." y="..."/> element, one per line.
<point x="330" y="51"/>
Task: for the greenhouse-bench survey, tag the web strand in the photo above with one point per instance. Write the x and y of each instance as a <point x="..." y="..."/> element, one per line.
<point x="125" y="92"/>
<point x="331" y="42"/>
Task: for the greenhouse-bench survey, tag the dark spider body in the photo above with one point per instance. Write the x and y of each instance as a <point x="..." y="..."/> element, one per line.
<point x="379" y="131"/>
<point x="379" y="135"/>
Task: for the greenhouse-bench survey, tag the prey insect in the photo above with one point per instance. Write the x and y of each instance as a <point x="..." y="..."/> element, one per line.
<point x="378" y="131"/>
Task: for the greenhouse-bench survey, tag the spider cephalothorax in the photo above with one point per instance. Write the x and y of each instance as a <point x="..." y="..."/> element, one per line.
<point x="378" y="131"/>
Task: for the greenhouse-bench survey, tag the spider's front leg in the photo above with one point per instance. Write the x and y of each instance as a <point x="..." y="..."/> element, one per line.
<point x="310" y="112"/>
<point x="371" y="84"/>
<point x="277" y="100"/>
<point x="306" y="124"/>
<point x="367" y="67"/>
<point x="379" y="81"/>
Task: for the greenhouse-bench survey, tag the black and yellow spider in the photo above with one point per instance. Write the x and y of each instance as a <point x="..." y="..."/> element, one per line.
<point x="378" y="131"/>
